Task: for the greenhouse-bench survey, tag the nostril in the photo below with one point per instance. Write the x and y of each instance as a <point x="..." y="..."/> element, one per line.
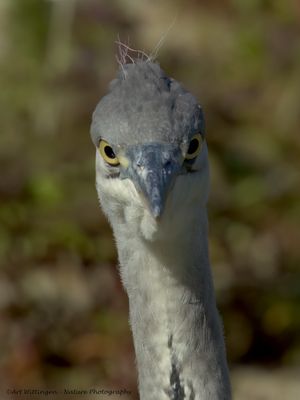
<point x="167" y="164"/>
<point x="140" y="165"/>
<point x="139" y="161"/>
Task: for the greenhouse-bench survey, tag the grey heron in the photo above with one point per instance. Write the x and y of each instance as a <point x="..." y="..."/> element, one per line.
<point x="152" y="179"/>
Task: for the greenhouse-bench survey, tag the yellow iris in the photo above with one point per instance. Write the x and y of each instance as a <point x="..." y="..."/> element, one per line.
<point x="107" y="153"/>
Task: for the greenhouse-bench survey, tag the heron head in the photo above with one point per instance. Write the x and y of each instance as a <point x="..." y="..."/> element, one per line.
<point x="151" y="150"/>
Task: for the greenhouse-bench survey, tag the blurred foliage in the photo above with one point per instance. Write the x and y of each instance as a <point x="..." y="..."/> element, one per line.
<point x="63" y="311"/>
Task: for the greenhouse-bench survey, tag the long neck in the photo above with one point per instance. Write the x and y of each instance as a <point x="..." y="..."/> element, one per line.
<point x="177" y="334"/>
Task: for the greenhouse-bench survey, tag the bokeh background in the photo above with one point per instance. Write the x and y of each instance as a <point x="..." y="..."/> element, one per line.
<point x="64" y="315"/>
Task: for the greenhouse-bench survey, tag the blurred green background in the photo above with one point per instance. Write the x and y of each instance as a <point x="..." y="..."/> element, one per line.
<point x="63" y="311"/>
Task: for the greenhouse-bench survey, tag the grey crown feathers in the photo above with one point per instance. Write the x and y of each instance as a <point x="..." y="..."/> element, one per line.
<point x="143" y="102"/>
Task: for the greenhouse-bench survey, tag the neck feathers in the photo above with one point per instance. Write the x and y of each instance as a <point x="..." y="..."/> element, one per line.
<point x="177" y="334"/>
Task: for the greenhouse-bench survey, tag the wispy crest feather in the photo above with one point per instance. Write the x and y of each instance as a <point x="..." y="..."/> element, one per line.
<point x="128" y="55"/>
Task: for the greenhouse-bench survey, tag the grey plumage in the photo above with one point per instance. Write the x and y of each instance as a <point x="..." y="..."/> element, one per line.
<point x="146" y="104"/>
<point x="152" y="178"/>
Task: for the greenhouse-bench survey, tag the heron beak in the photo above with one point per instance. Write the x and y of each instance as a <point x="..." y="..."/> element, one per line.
<point x="153" y="169"/>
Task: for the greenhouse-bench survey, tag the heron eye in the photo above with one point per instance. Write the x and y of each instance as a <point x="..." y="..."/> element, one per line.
<point x="194" y="147"/>
<point x="107" y="153"/>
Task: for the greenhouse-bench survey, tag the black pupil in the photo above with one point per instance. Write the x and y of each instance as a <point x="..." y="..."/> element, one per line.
<point x="193" y="147"/>
<point x="109" y="152"/>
